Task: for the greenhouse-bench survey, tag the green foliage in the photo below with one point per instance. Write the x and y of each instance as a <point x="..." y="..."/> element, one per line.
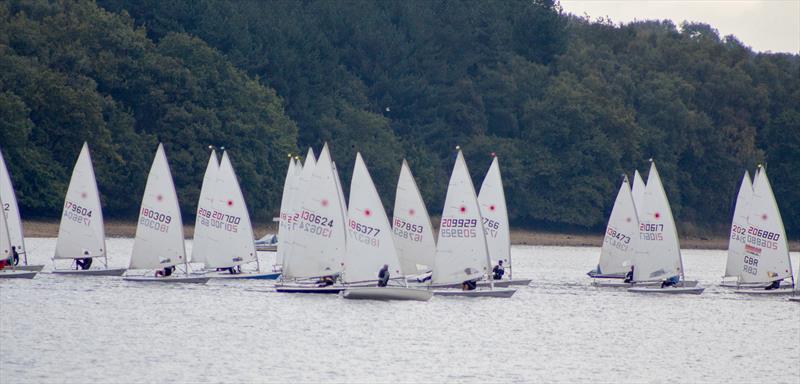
<point x="567" y="104"/>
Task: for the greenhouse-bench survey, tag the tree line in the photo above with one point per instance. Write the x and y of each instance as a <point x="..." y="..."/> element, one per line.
<point x="567" y="103"/>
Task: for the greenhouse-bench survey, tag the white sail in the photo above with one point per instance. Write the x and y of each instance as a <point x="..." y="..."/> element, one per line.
<point x="339" y="190"/>
<point x="231" y="232"/>
<point x="492" y="200"/>
<point x="622" y="233"/>
<point x="5" y="239"/>
<point x="638" y="191"/>
<point x="766" y="255"/>
<point x="159" y="232"/>
<point x="297" y="189"/>
<point x="10" y="208"/>
<point x="81" y="233"/>
<point x="369" y="244"/>
<point x="411" y="226"/>
<point x="201" y="248"/>
<point x="461" y="252"/>
<point x="318" y="239"/>
<point x="658" y="253"/>
<point x="286" y="202"/>
<point x="736" y="242"/>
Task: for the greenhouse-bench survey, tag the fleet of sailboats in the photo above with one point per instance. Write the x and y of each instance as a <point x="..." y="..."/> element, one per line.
<point x="332" y="245"/>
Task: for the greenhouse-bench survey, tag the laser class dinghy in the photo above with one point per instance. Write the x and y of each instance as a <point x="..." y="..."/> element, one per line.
<point x="226" y="241"/>
<point x="735" y="264"/>
<point x="13" y="220"/>
<point x="765" y="257"/>
<point x="462" y="254"/>
<point x="412" y="229"/>
<point x="658" y="254"/>
<point x="8" y="271"/>
<point x="81" y="235"/>
<point x="370" y="245"/>
<point x="159" y="246"/>
<point x="315" y="253"/>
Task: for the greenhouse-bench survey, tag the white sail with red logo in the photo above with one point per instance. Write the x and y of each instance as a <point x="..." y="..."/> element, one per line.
<point x="411" y="226"/>
<point x="231" y="235"/>
<point x="622" y="234"/>
<point x="492" y="200"/>
<point x="370" y="244"/>
<point x="766" y="250"/>
<point x="201" y="249"/>
<point x="159" y="232"/>
<point x="81" y="233"/>
<point x="738" y="236"/>
<point x="318" y="238"/>
<point x="658" y="254"/>
<point x="461" y="252"/>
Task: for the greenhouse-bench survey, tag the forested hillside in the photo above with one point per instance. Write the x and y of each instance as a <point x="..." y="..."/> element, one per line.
<point x="568" y="104"/>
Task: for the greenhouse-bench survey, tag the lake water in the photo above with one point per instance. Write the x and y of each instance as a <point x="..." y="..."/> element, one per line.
<point x="560" y="329"/>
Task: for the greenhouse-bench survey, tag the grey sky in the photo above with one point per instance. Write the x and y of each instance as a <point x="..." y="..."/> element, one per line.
<point x="764" y="25"/>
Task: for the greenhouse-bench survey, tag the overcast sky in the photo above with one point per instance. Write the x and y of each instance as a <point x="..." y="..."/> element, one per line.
<point x="764" y="25"/>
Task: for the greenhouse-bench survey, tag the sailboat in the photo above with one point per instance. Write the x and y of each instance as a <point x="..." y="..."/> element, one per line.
<point x="13" y="219"/>
<point x="658" y="251"/>
<point x="618" y="253"/>
<point x="411" y="226"/>
<point x="766" y="249"/>
<point x="9" y="272"/>
<point x="159" y="240"/>
<point x="736" y="243"/>
<point x="230" y="231"/>
<point x="302" y="175"/>
<point x="283" y="216"/>
<point x="370" y="244"/>
<point x="492" y="201"/>
<point x="318" y="239"/>
<point x="462" y="253"/>
<point x="81" y="234"/>
<point x="202" y="242"/>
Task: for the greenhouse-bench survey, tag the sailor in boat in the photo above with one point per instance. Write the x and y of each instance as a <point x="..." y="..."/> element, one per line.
<point x="85" y="262"/>
<point x="166" y="272"/>
<point x="629" y="276"/>
<point x="15" y="254"/>
<point x="383" y="276"/>
<point x="775" y="285"/>
<point x="498" y="271"/>
<point x="671" y="282"/>
<point x="325" y="281"/>
<point x="469" y="285"/>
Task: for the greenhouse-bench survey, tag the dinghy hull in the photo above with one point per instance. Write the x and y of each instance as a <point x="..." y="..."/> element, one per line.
<point x="620" y="284"/>
<point x="17" y="274"/>
<point x="733" y="284"/>
<point x="487" y="284"/>
<point x="387" y="293"/>
<point x="686" y="290"/>
<point x="593" y="274"/>
<point x="35" y="268"/>
<point x="290" y="288"/>
<point x="765" y="292"/>
<point x="170" y="279"/>
<point x="267" y="248"/>
<point x="90" y="272"/>
<point x="502" y="293"/>
<point x="244" y="275"/>
<point x="795" y="299"/>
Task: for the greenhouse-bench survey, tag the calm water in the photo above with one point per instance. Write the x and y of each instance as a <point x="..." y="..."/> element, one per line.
<point x="560" y="329"/>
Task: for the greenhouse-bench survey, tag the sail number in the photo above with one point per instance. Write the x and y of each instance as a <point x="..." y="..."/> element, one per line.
<point x="463" y="228"/>
<point x="364" y="233"/>
<point x="459" y="223"/>
<point x="651" y="232"/>
<point x="750" y="265"/>
<point x="155" y="220"/>
<point x="316" y="219"/>
<point x="763" y="234"/>
<point x="78" y="214"/>
<point x="617" y="239"/>
<point x="314" y="224"/>
<point x="6" y="207"/>
<point x="491" y="227"/>
<point x="365" y="229"/>
<point x="402" y="224"/>
<point x="738" y="233"/>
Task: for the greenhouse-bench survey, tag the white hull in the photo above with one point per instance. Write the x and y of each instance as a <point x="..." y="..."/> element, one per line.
<point x="692" y="290"/>
<point x="487" y="284"/>
<point x="243" y="275"/>
<point x="267" y="248"/>
<point x="308" y="288"/>
<point x="16" y="274"/>
<point x="387" y="293"/>
<point x="734" y="284"/>
<point x="766" y="292"/>
<point x="620" y="284"/>
<point x="169" y="279"/>
<point x="503" y="292"/>
<point x="90" y="272"/>
<point x="35" y="268"/>
<point x="795" y="299"/>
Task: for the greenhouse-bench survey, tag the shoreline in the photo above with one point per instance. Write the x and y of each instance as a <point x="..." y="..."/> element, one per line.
<point x="121" y="228"/>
